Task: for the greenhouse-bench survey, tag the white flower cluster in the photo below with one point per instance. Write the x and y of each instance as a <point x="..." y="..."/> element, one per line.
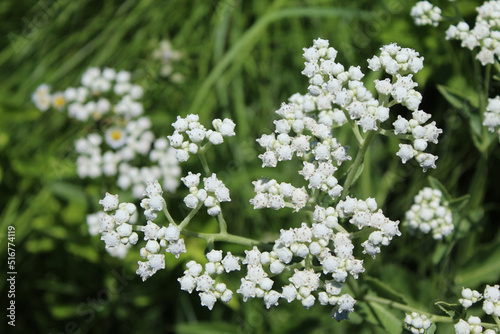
<point x="109" y="100"/>
<point x="154" y="201"/>
<point x="401" y="63"/>
<point x="491" y="306"/>
<point x="322" y="177"/>
<point x="313" y="244"/>
<point x="273" y="195"/>
<point x="485" y="34"/>
<point x="417" y="323"/>
<point x="365" y="214"/>
<point x="167" y="57"/>
<point x="335" y="93"/>
<point x="210" y="291"/>
<point x="325" y="242"/>
<point x="492" y="115"/>
<point x="469" y="297"/>
<point x="424" y="13"/>
<point x="158" y="239"/>
<point x="126" y="143"/>
<point x="115" y="224"/>
<point x="89" y="101"/>
<point x="490" y="297"/>
<point x="211" y="195"/>
<point x="471" y="326"/>
<point x="430" y="213"/>
<point x="197" y="134"/>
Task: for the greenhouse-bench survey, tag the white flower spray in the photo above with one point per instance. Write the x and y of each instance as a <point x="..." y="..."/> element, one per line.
<point x="310" y="263"/>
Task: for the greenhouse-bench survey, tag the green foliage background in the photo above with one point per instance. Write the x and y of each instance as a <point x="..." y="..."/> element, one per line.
<point x="242" y="59"/>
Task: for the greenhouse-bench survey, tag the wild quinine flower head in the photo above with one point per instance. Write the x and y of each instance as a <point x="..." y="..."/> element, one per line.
<point x="120" y="136"/>
<point x="492" y="115"/>
<point x="430" y="214"/>
<point x="270" y="194"/>
<point x="154" y="201"/>
<point x="417" y="323"/>
<point x="472" y="325"/>
<point x="424" y="13"/>
<point x="189" y="135"/>
<point x="491" y="306"/>
<point x="485" y="34"/>
<point x="116" y="222"/>
<point x="203" y="279"/>
<point x="211" y="195"/>
<point x="491" y="303"/>
<point x="469" y="297"/>
<point x="306" y="127"/>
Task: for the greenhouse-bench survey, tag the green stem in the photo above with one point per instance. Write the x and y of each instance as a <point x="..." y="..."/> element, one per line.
<point x="390" y="133"/>
<point x="354" y="127"/>
<point x="203" y="159"/>
<point x="497" y="321"/>
<point x="190" y="216"/>
<point x="222" y="224"/>
<point x="357" y="162"/>
<point x="167" y="214"/>
<point x="406" y="308"/>
<point x="225" y="237"/>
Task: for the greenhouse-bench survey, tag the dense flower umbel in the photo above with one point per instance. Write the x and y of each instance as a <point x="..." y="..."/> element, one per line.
<point x="189" y="135"/>
<point x="417" y="323"/>
<point x="115" y="226"/>
<point x="119" y="133"/>
<point x="485" y="34"/>
<point x="492" y="115"/>
<point x="491" y="306"/>
<point x="424" y="13"/>
<point x="213" y="192"/>
<point x="307" y="122"/>
<point x="309" y="263"/>
<point x="430" y="214"/>
<point x="324" y="242"/>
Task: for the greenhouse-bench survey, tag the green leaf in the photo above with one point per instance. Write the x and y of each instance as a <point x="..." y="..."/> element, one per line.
<point x="384" y="290"/>
<point x="358" y="173"/>
<point x="432" y="329"/>
<point x="390" y="322"/>
<point x="438" y="253"/>
<point x="460" y="202"/>
<point x="207" y="328"/>
<point x="456" y="311"/>
<point x="439" y="186"/>
<point x="460" y="99"/>
<point x="483" y="267"/>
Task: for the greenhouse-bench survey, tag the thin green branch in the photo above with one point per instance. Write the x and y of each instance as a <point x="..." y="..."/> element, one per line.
<point x="406" y="308"/>
<point x="497" y="321"/>
<point x="168" y="215"/>
<point x="222" y="223"/>
<point x="390" y="133"/>
<point x="225" y="237"/>
<point x="190" y="216"/>
<point x="354" y="127"/>
<point x="203" y="160"/>
<point x="357" y="162"/>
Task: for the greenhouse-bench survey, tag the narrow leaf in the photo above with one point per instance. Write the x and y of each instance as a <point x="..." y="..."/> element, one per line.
<point x="384" y="290"/>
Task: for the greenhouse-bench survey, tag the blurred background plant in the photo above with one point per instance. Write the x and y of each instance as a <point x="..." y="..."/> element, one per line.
<point x="240" y="59"/>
